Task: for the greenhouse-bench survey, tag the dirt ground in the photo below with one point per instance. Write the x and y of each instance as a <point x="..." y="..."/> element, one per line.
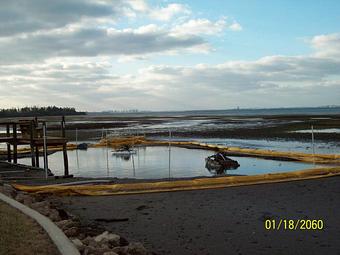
<point x="221" y="221"/>
<point x="21" y="235"/>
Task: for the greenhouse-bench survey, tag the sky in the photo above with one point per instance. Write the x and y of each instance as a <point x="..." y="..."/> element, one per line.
<point x="100" y="55"/>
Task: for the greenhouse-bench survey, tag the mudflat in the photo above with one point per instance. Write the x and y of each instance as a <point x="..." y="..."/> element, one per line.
<point x="204" y="126"/>
<point x="221" y="221"/>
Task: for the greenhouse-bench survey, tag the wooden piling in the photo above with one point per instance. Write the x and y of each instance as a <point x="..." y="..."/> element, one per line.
<point x="45" y="150"/>
<point x="8" y="133"/>
<point x="37" y="156"/>
<point x="63" y="134"/>
<point x="32" y="142"/>
<point x="15" y="144"/>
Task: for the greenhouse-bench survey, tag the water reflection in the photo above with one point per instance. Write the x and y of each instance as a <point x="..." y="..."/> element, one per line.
<point x="153" y="162"/>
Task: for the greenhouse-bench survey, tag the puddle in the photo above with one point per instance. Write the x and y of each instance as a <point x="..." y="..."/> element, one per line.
<point x="326" y="130"/>
<point x="153" y="163"/>
<point x="277" y="145"/>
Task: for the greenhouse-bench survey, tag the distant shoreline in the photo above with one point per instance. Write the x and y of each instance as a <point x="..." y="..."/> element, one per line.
<point x="322" y="110"/>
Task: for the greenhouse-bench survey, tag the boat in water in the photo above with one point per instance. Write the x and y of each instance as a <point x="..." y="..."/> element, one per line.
<point x="219" y="163"/>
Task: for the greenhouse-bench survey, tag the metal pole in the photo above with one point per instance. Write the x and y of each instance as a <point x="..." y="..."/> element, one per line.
<point x="133" y="165"/>
<point x="313" y="145"/>
<point x="107" y="153"/>
<point x="77" y="137"/>
<point x="45" y="150"/>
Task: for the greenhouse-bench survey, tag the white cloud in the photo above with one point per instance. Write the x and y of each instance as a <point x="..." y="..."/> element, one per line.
<point x="21" y="16"/>
<point x="138" y="5"/>
<point x="205" y="27"/>
<point x="168" y="12"/>
<point x="88" y="28"/>
<point x="327" y="45"/>
<point x="62" y="53"/>
<point x="200" y="27"/>
<point x="270" y="81"/>
<point x="87" y="42"/>
<point x="235" y="26"/>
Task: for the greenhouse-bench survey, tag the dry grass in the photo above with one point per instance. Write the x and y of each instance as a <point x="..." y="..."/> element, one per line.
<point x="21" y="235"/>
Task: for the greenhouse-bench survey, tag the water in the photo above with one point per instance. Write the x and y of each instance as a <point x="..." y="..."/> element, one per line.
<point x="153" y="163"/>
<point x="325" y="130"/>
<point x="276" y="145"/>
<point x="323" y="110"/>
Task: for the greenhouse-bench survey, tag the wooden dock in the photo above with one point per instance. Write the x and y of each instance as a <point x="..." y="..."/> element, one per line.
<point x="14" y="172"/>
<point x="30" y="132"/>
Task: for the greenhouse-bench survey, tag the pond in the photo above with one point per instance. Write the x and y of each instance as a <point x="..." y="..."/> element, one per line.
<point x="153" y="163"/>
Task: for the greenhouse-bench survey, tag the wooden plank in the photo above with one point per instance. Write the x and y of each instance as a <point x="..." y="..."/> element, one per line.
<point x="12" y="171"/>
<point x="40" y="141"/>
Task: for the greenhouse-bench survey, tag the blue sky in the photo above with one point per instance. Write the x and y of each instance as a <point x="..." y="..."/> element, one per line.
<point x="169" y="55"/>
<point x="270" y="27"/>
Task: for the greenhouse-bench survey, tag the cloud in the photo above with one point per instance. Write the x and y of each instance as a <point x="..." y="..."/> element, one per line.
<point x="200" y="27"/>
<point x="23" y="16"/>
<point x="327" y="45"/>
<point x="92" y="42"/>
<point x="205" y="27"/>
<point x="270" y="81"/>
<point x="168" y="12"/>
<point x="63" y="52"/>
<point x="36" y="31"/>
<point x="235" y="26"/>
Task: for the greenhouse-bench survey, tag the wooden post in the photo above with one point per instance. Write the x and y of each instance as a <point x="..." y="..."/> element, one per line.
<point x="45" y="150"/>
<point x="66" y="173"/>
<point x="63" y="126"/>
<point x="77" y="154"/>
<point x="15" y="144"/>
<point x="37" y="156"/>
<point x="32" y="129"/>
<point x="8" y="133"/>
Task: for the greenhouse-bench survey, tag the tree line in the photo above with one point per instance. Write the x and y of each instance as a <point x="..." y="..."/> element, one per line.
<point x="31" y="111"/>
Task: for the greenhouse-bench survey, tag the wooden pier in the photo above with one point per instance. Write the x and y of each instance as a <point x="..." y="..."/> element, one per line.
<point x="30" y="132"/>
